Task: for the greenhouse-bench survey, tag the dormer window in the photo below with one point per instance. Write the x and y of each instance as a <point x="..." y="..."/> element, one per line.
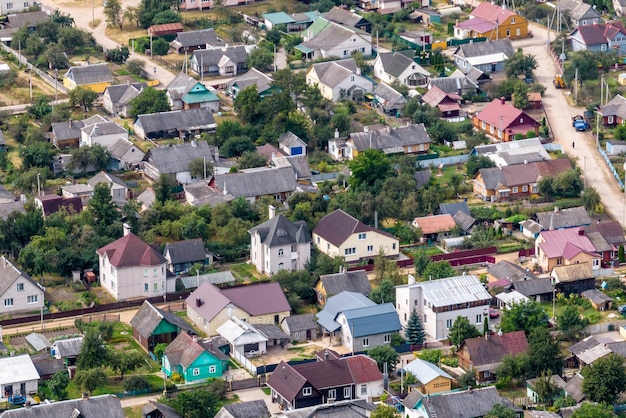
<point x="307" y="391"/>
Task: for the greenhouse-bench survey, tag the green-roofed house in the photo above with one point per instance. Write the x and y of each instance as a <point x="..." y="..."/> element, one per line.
<point x="185" y="92"/>
<point x="296" y="22"/>
<point x="195" y="359"/>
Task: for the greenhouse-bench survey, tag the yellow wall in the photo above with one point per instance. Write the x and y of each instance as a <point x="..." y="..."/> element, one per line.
<point x="373" y="238"/>
<point x="96" y="87"/>
<point x="520" y="23"/>
<point x="321" y="290"/>
<point x="440" y="384"/>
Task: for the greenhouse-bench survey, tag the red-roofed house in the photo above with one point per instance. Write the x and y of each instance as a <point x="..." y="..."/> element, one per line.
<point x="132" y="269"/>
<point x="610" y="36"/>
<point x="492" y="22"/>
<point x="209" y="307"/>
<point x="53" y="203"/>
<point x="562" y="247"/>
<point x="502" y="121"/>
<point x="484" y="355"/>
<point x="339" y="234"/>
<point x="447" y="103"/>
<point x="432" y="226"/>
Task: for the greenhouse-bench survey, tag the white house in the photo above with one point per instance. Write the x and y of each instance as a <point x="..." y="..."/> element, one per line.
<point x="440" y="302"/>
<point x="103" y="133"/>
<point x="392" y="66"/>
<point x="338" y="80"/>
<point x="18" y="291"/>
<point x="325" y="39"/>
<point x="119" y="189"/>
<point x="132" y="269"/>
<point x="18" y="376"/>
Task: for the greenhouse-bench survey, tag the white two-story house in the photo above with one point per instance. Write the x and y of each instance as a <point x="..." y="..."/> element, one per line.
<point x="339" y="80"/>
<point x="18" y="291"/>
<point x="439" y="302"/>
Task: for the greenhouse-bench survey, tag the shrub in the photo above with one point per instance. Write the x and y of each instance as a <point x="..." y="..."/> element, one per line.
<point x="136" y="383"/>
<point x="177" y="377"/>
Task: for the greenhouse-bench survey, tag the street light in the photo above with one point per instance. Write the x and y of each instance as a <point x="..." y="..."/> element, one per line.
<point x="624" y="205"/>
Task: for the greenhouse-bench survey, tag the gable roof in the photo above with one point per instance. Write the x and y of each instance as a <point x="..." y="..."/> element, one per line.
<point x="486" y="354"/>
<point x="425" y="371"/>
<point x="453" y="208"/>
<point x="256" y="182"/>
<point x="453" y="290"/>
<point x="345" y="17"/>
<point x="289" y="139"/>
<point x="300" y="164"/>
<point x="502" y="115"/>
<point x="578" y="9"/>
<point x="391" y="97"/>
<point x="184" y="350"/>
<point x="331" y="73"/>
<point x="102" y="406"/>
<point x="480" y="49"/>
<point x="565" y="243"/>
<point x="351" y="281"/>
<point x="197" y="37"/>
<point x="354" y="408"/>
<point x="513" y="152"/>
<point x="180" y="85"/>
<point x="300" y="322"/>
<point x="69" y="347"/>
<point x="464" y="221"/>
<point x="17" y="369"/>
<point x="452" y="84"/>
<point x="177" y="158"/>
<point x="9" y="273"/>
<point x="435" y="223"/>
<point x="213" y="56"/>
<point x="598" y="34"/>
<point x="363" y="369"/>
<point x="339" y="303"/>
<point x="107" y="178"/>
<point x="28" y="19"/>
<point x="166" y="410"/>
<point x="186" y="120"/>
<point x="391" y="139"/>
<point x="435" y="96"/>
<point x="326" y="33"/>
<point x="118" y="91"/>
<point x="467" y="403"/>
<point x="338" y="226"/>
<point x="252" y="77"/>
<point x="534" y="287"/>
<point x="492" y="13"/>
<point x="148" y="318"/>
<point x="505" y="269"/>
<point x="130" y="251"/>
<point x="371" y="320"/>
<point x="47" y="366"/>
<point x="53" y="203"/>
<point x="280" y="231"/>
<point x="90" y="74"/>
<point x="611" y="231"/>
<point x="522" y="174"/>
<point x="595" y="296"/>
<point x="185" y="251"/>
<point x="564" y="218"/>
<point x="572" y="272"/>
<point x="395" y="63"/>
<point x="256" y="408"/>
<point x="286" y="380"/>
<point x="615" y="107"/>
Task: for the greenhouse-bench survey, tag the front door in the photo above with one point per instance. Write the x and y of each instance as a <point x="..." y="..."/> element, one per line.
<point x="23" y="389"/>
<point x="308" y="334"/>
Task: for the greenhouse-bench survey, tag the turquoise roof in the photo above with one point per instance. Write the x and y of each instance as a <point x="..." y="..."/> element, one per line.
<point x="278" y="18"/>
<point x="200" y="94"/>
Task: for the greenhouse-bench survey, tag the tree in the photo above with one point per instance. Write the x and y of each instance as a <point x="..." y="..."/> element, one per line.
<point x="83" y="97"/>
<point x="384" y="354"/>
<point x="384" y="292"/>
<point x="544" y="353"/>
<point x="523" y="317"/>
<point x="113" y="13"/>
<point x="102" y="207"/>
<point x="384" y="411"/>
<point x="462" y="330"/>
<point x="61" y="19"/>
<point x="118" y="55"/>
<point x="163" y="188"/>
<point x="547" y="391"/>
<point x="125" y="361"/>
<point x="38" y="154"/>
<point x="414" y="330"/>
<point x="58" y="385"/>
<point x="198" y="403"/>
<point x="167" y="16"/>
<point x="200" y="168"/>
<point x="605" y="379"/>
<point x="591" y="198"/>
<point x="135" y="66"/>
<point x="90" y="379"/>
<point x="475" y="163"/>
<point x="519" y="64"/>
<point x="260" y="58"/>
<point x="71" y="39"/>
<point x="248" y="105"/>
<point x="273" y="36"/>
<point x="150" y="100"/>
<point x="438" y="270"/>
<point x="160" y="47"/>
<point x="431" y="355"/>
<point x="40" y="107"/>
<point x="520" y="95"/>
<point x="136" y="383"/>
<point x="236" y="146"/>
<point x="93" y="353"/>
<point x="570" y="322"/>
<point x="251" y="159"/>
<point x="501" y="411"/>
<point x="369" y="167"/>
<point x="620" y="253"/>
<point x="588" y="410"/>
<point x="55" y="56"/>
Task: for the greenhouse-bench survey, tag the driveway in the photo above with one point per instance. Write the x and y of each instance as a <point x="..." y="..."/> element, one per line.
<point x="560" y="114"/>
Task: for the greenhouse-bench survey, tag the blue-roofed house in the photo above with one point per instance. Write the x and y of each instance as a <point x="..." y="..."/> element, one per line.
<point x="358" y="322"/>
<point x="295" y="22"/>
<point x="431" y="378"/>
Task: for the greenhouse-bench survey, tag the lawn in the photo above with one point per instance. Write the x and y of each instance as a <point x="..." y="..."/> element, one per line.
<point x="133" y="412"/>
<point x="114" y="386"/>
<point x="245" y="272"/>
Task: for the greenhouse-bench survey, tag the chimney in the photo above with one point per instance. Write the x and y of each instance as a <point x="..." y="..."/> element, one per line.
<point x="272" y="211"/>
<point x="581" y="232"/>
<point x="358" y="71"/>
<point x="1" y="328"/>
<point x="193" y="143"/>
<point x="85" y="396"/>
<point x="365" y="129"/>
<point x="217" y="155"/>
<point x="126" y="228"/>
<point x="556" y="209"/>
<point x="502" y="100"/>
<point x="326" y="355"/>
<point x="336" y="133"/>
<point x="27" y="405"/>
<point x="525" y="161"/>
<point x="198" y="302"/>
<point x="194" y="337"/>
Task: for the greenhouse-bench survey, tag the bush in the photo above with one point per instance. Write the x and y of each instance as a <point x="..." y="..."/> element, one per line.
<point x="177" y="377"/>
<point x="450" y="361"/>
<point x="136" y="383"/>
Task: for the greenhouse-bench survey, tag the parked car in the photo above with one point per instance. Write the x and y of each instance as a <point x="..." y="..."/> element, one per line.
<point x="493" y="313"/>
<point x="622" y="309"/>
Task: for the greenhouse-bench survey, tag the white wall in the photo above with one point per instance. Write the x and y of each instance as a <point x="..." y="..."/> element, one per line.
<point x="129" y="282"/>
<point x="20" y="297"/>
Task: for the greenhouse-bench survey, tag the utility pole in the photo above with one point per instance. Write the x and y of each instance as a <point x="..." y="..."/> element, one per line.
<point x="576" y="85"/>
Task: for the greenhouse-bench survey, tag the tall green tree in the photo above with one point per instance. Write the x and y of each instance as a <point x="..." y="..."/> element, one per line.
<point x="385" y="411"/>
<point x="384" y="292"/>
<point x="39" y="154"/>
<point x="384" y="354"/>
<point x="113" y="13"/>
<point x="163" y="188"/>
<point x="438" y="270"/>
<point x="83" y="97"/>
<point x="102" y="207"/>
<point x="125" y="360"/>
<point x="248" y="104"/>
<point x="58" y="385"/>
<point x="544" y="353"/>
<point x="93" y="353"/>
<point x="523" y="317"/>
<point x="199" y="403"/>
<point x="90" y="379"/>
<point x="571" y="323"/>
<point x="605" y="379"/>
<point x="369" y="167"/>
<point x="150" y="100"/>
<point x="546" y="389"/>
<point x="414" y="332"/>
<point x="462" y="330"/>
<point x="588" y="410"/>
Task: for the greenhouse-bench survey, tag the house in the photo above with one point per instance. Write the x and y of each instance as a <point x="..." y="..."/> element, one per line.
<point x="420" y="38"/>
<point x="396" y="66"/>
<point x="46" y="366"/>
<point x="301" y="167"/>
<point x="208" y="307"/>
<point x="146" y="199"/>
<point x="435" y="225"/>
<point x="391" y="101"/>
<point x="124" y="155"/>
<point x="586" y="352"/>
<point x="470" y="403"/>
<point x="176" y="159"/>
<point x="614" y="112"/>
<point x="270" y="240"/>
<point x="599" y="300"/>
<point x="454" y="208"/>
<point x="484" y="355"/>
<point x="252" y="184"/>
<point x="252" y="77"/>
<point x="86" y="407"/>
<point x="302" y="327"/>
<point x="165" y="29"/>
<point x="513" y="152"/>
<point x="492" y="22"/>
<point x="431" y="379"/>
<point x="339" y="409"/>
<point x="116" y="98"/>
<point x="52" y="203"/>
<point x="447" y="103"/>
<point x="503" y="121"/>
<point x="339" y="234"/>
<point x="564" y="218"/>
<point x="337" y="80"/>
<point x="554" y="379"/>
<point x="131" y="269"/>
<point x="506" y="270"/>
<point x="615" y="147"/>
<point x="257" y="408"/>
<point x="120" y="193"/>
<point x="439" y="302"/>
<point x="181" y="256"/>
<point x="329" y="285"/>
<point x="328" y="381"/>
<point x="358" y="322"/>
<point x="573" y="278"/>
<point x="28" y="20"/>
<point x="246" y="339"/>
<point x="103" y="133"/>
<point x="18" y="291"/>
<point x="67" y="350"/>
<point x="182" y="124"/>
<point x="185" y="92"/>
<point x="227" y="61"/>
<point x="290" y="144"/>
<point x="67" y="134"/>
<point x="200" y="194"/>
<point x="18" y="376"/>
<point x="295" y="22"/>
<point x="606" y="237"/>
<point x="459" y="84"/>
<point x="505" y="300"/>
<point x="541" y="290"/>
<point x="153" y="326"/>
<point x="580" y="13"/>
<point x="324" y="39"/>
<point x="563" y="247"/>
<point x="488" y="57"/>
<point x="514" y="181"/>
<point x="343" y="16"/>
<point x="610" y="36"/>
<point x="194" y="359"/>
<point x="9" y="203"/>
<point x="95" y="77"/>
<point x="411" y="139"/>
<point x="154" y="409"/>
<point x="197" y="39"/>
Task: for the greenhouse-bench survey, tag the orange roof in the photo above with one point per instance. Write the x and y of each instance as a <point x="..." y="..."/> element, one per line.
<point x="166" y="28"/>
<point x="435" y="223"/>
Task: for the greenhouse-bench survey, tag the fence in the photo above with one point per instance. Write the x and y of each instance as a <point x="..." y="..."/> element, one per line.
<point x="464" y="254"/>
<point x="45" y="76"/>
<point x="610" y="165"/>
<point x="479" y="259"/>
<point x="247" y="364"/>
<point x="444" y="161"/>
<point x="529" y="252"/>
<point x="370" y="267"/>
<point x="253" y="382"/>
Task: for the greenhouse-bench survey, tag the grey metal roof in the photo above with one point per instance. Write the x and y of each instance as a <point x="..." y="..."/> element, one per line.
<point x="595" y="296"/>
<point x="453" y="208"/>
<point x="372" y="320"/>
<point x="108" y="178"/>
<point x="176" y="158"/>
<point x="257" y="182"/>
<point x="271" y="331"/>
<point x="118" y="91"/>
<point x="38" y="341"/>
<point x="389" y="137"/>
<point x="450" y="84"/>
<point x="331" y="73"/>
<point x="120" y="147"/>
<point x="186" y="120"/>
<point x="300" y="164"/>
<point x="358" y="408"/>
<point x="337" y="304"/>
<point x="186" y="251"/>
<point x="103" y="406"/>
<point x="197" y="38"/>
<point x="28" y="19"/>
<point x="148" y="318"/>
<point x="252" y="77"/>
<point x="69" y="347"/>
<point x="165" y="410"/>
<point x="289" y="139"/>
<point x="504" y="269"/>
<point x="9" y="273"/>
<point x="257" y="408"/>
<point x="17" y="369"/>
<point x="180" y="85"/>
<point x="478" y="49"/>
<point x="425" y="371"/>
<point x="104" y="128"/>
<point x="212" y="57"/>
<point x="90" y="74"/>
<point x="351" y="281"/>
<point x="394" y="99"/>
<point x="467" y="403"/>
<point x="220" y="277"/>
<point x="301" y="322"/>
<point x="564" y="218"/>
<point x="332" y="34"/>
<point x="534" y="287"/>
<point x="395" y="63"/>
<point x="463" y="220"/>
<point x="342" y="16"/>
<point x="279" y="231"/>
<point x="583" y="345"/>
<point x="578" y="9"/>
<point x="453" y="290"/>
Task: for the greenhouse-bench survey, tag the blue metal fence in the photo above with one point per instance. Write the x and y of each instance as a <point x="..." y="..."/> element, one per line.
<point x="611" y="167"/>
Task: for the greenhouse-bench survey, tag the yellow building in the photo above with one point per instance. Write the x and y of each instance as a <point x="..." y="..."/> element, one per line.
<point x="492" y="22"/>
<point x="430" y="377"/>
<point x="95" y="77"/>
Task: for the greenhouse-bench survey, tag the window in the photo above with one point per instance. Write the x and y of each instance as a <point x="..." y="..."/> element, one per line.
<point x="318" y="240"/>
<point x="112" y="285"/>
<point x="518" y="32"/>
<point x="362" y="49"/>
<point x="332" y="394"/>
<point x="479" y="318"/>
<point x="307" y="391"/>
<point x="347" y="392"/>
<point x="9" y="5"/>
<point x="196" y="372"/>
<point x="281" y="252"/>
<point x="512" y="20"/>
<point x="366" y="342"/>
<point x="350" y="251"/>
<point x="212" y="369"/>
<point x="145" y="272"/>
<point x="146" y="287"/>
<point x="521" y="120"/>
<point x="32" y="299"/>
<point x="387" y="338"/>
<point x="610" y="120"/>
<point x="155" y="287"/>
<point x="352" y="78"/>
<point x="8" y="302"/>
<point x="26" y="4"/>
<point x="508" y="33"/>
<point x="393" y="246"/>
<point x="524" y="189"/>
<point x="370" y="248"/>
<point x="596" y="262"/>
<point x="559" y="261"/>
<point x="362" y="235"/>
<point x="281" y="266"/>
<point x="155" y="272"/>
<point x="112" y="269"/>
<point x="363" y="389"/>
<point x="603" y="47"/>
<point x="345" y="53"/>
<point x="20" y="287"/>
<point x="448" y="323"/>
<point x="515" y="189"/>
<point x="483" y="125"/>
